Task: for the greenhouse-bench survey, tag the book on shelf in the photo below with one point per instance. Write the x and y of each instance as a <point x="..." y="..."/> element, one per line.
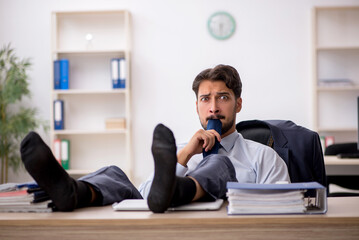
<point x="59" y="114"/>
<point x="335" y="82"/>
<point x="250" y="198"/>
<point x="24" y="197"/>
<point x="61" y="74"/>
<point x="118" y="72"/>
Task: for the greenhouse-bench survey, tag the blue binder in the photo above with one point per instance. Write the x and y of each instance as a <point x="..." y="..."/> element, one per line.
<point x="64" y="73"/>
<point x="118" y="73"/>
<point x="122" y="75"/>
<point x="57" y="78"/>
<point x="61" y="74"/>
<point x="59" y="115"/>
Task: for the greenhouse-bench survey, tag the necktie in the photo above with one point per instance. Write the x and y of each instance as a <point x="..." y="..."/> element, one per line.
<point x="215" y="124"/>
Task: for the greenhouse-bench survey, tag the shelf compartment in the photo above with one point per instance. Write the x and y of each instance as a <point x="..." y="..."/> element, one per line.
<point x="91" y="71"/>
<point x="337" y="27"/>
<point x="339" y="64"/>
<point x="96" y="151"/>
<point x="83" y="112"/>
<point x="337" y="110"/>
<point x="107" y="29"/>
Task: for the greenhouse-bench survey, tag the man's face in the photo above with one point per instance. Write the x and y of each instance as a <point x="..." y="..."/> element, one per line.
<point x="216" y="101"/>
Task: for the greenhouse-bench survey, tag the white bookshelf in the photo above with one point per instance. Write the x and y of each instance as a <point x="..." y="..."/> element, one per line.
<point x="336" y="56"/>
<point x="90" y="99"/>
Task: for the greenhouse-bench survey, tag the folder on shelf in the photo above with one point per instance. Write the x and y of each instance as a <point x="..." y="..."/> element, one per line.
<point x="57" y="150"/>
<point x="58" y="114"/>
<point x="122" y="77"/>
<point x="250" y="198"/>
<point x="57" y="78"/>
<point x="65" y="153"/>
<point x="64" y="73"/>
<point x="118" y="72"/>
<point x="61" y="74"/>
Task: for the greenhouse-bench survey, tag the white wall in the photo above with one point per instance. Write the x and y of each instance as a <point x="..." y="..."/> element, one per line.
<point x="271" y="49"/>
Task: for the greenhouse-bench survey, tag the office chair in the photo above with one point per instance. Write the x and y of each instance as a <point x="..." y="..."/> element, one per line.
<point x="258" y="132"/>
<point x="348" y="182"/>
<point x="299" y="147"/>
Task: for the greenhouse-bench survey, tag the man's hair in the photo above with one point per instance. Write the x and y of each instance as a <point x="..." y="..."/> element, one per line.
<point x="225" y="73"/>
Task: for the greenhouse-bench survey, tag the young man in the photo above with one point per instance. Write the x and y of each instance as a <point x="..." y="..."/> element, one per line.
<point x="179" y="177"/>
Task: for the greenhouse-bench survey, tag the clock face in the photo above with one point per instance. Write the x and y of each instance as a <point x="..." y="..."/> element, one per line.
<point x="221" y="25"/>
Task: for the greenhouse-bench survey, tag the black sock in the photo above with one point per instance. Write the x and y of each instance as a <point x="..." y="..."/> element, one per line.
<point x="165" y="158"/>
<point x="47" y="172"/>
<point x="184" y="192"/>
<point x="84" y="194"/>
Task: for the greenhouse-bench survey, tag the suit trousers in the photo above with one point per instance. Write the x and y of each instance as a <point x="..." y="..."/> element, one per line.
<point x="212" y="173"/>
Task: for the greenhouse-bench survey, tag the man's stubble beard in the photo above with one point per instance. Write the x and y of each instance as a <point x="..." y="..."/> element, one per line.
<point x="225" y="127"/>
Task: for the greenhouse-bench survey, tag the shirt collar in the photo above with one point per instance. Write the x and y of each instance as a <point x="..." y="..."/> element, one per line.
<point x="228" y="142"/>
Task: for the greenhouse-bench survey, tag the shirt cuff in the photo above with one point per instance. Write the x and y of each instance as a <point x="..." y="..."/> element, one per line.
<point x="181" y="170"/>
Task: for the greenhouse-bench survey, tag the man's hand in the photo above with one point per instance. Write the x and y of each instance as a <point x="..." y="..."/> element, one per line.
<point x="202" y="139"/>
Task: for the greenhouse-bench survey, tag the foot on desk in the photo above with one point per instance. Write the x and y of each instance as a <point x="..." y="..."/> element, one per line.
<point x="165" y="158"/>
<point x="48" y="173"/>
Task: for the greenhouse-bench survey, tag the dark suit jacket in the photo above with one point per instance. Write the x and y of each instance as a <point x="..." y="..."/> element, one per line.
<point x="299" y="147"/>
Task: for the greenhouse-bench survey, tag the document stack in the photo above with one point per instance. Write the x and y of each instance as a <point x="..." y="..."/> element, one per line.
<point x="26" y="197"/>
<point x="248" y="198"/>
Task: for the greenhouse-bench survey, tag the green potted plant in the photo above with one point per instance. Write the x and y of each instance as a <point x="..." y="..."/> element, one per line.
<point x="15" y="119"/>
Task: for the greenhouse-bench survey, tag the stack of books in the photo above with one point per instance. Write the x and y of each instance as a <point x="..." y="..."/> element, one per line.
<point x="248" y="198"/>
<point x="27" y="197"/>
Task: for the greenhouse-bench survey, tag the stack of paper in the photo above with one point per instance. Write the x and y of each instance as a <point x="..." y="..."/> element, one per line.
<point x="23" y="198"/>
<point x="247" y="198"/>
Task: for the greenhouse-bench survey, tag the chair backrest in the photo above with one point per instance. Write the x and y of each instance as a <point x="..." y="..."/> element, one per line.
<point x="261" y="134"/>
<point x="299" y="147"/>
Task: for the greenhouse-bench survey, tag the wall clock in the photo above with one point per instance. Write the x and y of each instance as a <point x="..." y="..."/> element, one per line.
<point x="221" y="25"/>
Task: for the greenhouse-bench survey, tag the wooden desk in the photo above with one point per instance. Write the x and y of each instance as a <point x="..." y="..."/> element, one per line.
<point x="341" y="222"/>
<point x="339" y="166"/>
